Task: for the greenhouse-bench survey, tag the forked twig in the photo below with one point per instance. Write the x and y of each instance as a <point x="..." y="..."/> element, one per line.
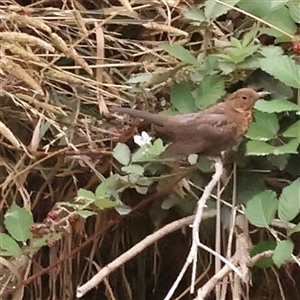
<point x="192" y="257"/>
<point x="139" y="247"/>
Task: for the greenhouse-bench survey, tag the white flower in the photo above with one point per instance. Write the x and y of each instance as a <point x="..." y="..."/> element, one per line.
<point x="142" y="139"/>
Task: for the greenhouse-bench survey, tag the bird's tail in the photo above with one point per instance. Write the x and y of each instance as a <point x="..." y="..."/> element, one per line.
<point x="153" y="118"/>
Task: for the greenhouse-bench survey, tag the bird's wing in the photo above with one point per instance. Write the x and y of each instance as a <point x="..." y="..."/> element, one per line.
<point x="206" y="134"/>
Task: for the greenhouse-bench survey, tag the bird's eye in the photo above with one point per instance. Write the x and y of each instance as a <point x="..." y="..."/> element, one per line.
<point x="244" y="97"/>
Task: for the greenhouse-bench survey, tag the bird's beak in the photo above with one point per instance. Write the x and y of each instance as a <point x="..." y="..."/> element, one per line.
<point x="263" y="94"/>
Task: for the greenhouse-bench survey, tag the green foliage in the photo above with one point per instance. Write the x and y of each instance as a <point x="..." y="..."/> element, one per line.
<point x="180" y="53"/>
<point x="240" y="50"/>
<point x="182" y="99"/>
<point x="294" y="230"/>
<point x="8" y="246"/>
<point x="293" y="6"/>
<point x="195" y="16"/>
<point x="263" y="133"/>
<point x="261" y="209"/>
<point x="214" y="9"/>
<point x="210" y="90"/>
<point x="17" y="222"/>
<point x="107" y="193"/>
<point x="282" y="252"/>
<point x="293" y="131"/>
<point x="260" y="248"/>
<point x="283" y="20"/>
<point x="259" y="148"/>
<point x="148" y="153"/>
<point x="261" y="8"/>
<point x="275" y="13"/>
<point x="122" y="154"/>
<point x="283" y="68"/>
<point x="276" y="106"/>
<point x="264" y="128"/>
<point x="289" y="201"/>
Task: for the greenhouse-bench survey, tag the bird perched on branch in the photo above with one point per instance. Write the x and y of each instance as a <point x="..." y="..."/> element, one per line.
<point x="208" y="132"/>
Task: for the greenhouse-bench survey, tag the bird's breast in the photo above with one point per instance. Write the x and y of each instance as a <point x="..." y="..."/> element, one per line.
<point x="247" y="119"/>
<point x="242" y="119"/>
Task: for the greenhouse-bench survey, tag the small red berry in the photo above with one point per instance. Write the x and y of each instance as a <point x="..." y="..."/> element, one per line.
<point x="52" y="215"/>
<point x="296" y="46"/>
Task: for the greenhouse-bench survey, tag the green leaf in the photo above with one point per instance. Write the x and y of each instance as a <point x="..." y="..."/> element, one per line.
<point x="293" y="130"/>
<point x="195" y="15"/>
<point x="10" y="246"/>
<point x="294" y="10"/>
<point x="209" y="92"/>
<point x="139" y="155"/>
<point x="281" y="19"/>
<point x="236" y="43"/>
<point x="294" y="230"/>
<point x="131" y="178"/>
<point x="271" y="51"/>
<point x="289" y="148"/>
<point x="261" y="209"/>
<point x="157" y="148"/>
<point x="133" y="169"/>
<point x="283" y="68"/>
<point x="262" y="7"/>
<point x="280" y="161"/>
<point x="149" y="152"/>
<point x="123" y="210"/>
<point x="17" y="221"/>
<point x="122" y="154"/>
<point x="105" y="203"/>
<point x="37" y="243"/>
<point x="237" y="55"/>
<point x="182" y="99"/>
<point x="145" y="181"/>
<point x="264" y="128"/>
<point x="204" y="164"/>
<point x="180" y="53"/>
<point x="108" y="187"/>
<point x="143" y="190"/>
<point x="227" y="67"/>
<point x="249" y="37"/>
<point x="192" y="159"/>
<point x="214" y="9"/>
<point x="140" y="78"/>
<point x="239" y="51"/>
<point x="289" y="201"/>
<point x="259" y="148"/>
<point x="158" y="76"/>
<point x="277" y="105"/>
<point x="209" y="65"/>
<point x="260" y="248"/>
<point x="283" y="252"/>
<point x="86" y="194"/>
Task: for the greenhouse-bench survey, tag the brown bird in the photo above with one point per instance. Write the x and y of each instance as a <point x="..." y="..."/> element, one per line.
<point x="208" y="132"/>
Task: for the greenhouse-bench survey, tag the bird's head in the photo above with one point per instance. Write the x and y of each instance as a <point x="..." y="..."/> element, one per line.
<point x="244" y="99"/>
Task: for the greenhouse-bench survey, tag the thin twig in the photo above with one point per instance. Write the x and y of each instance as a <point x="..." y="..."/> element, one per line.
<point x="138" y="248"/>
<point x="192" y="257"/>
